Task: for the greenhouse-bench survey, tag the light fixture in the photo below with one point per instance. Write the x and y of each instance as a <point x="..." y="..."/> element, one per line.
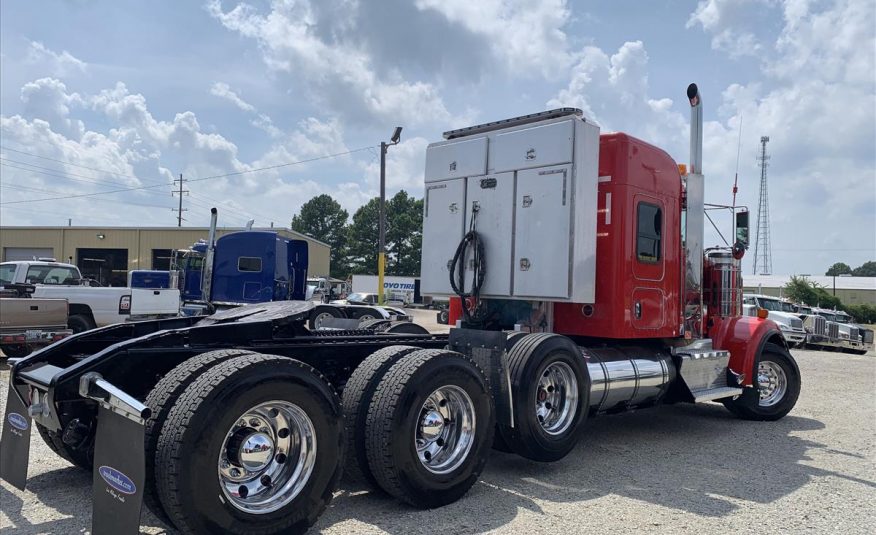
<point x="101" y="236"/>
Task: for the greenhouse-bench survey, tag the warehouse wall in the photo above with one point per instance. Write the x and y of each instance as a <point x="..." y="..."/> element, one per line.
<point x="847" y="296"/>
<point x="138" y="241"/>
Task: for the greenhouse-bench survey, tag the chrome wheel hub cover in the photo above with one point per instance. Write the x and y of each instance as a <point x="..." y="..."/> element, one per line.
<point x="445" y="429"/>
<point x="556" y="398"/>
<point x="267" y="457"/>
<point x="772" y="383"/>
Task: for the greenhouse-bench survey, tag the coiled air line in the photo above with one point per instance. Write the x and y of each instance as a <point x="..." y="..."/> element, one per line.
<point x="479" y="267"/>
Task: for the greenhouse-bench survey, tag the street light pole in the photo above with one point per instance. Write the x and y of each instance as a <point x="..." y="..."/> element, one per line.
<point x="381" y="248"/>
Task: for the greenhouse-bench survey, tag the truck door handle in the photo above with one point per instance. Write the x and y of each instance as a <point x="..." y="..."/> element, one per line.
<point x="156" y="292"/>
<point x="637" y="310"/>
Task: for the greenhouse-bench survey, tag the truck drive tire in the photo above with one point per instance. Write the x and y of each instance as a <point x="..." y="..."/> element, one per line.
<point x="161" y="399"/>
<point x="15" y="351"/>
<point x="322" y="313"/>
<point x="429" y="428"/>
<point x="356" y="400"/>
<point x="378" y="325"/>
<point x="80" y="323"/>
<point x="406" y="327"/>
<point x="82" y="457"/>
<point x="776" y="388"/>
<point x="551" y="397"/>
<point x="253" y="445"/>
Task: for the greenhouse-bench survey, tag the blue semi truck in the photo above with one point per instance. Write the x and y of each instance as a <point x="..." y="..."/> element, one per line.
<point x="258" y="266"/>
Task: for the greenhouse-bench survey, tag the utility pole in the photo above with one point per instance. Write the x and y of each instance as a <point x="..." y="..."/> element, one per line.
<point x="381" y="247"/>
<point x="762" y="249"/>
<point x="180" y="192"/>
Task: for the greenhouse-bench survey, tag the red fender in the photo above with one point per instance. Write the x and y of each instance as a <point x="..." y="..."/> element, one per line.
<point x="744" y="337"/>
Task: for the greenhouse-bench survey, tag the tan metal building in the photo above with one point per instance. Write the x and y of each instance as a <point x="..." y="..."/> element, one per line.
<point x="108" y="253"/>
<point x="849" y="290"/>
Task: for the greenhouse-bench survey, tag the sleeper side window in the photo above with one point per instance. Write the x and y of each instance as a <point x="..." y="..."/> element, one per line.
<point x="649" y="227"/>
<point x="249" y="263"/>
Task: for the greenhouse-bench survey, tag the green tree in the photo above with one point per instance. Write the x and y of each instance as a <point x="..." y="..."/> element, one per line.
<point x="802" y="290"/>
<point x="840" y="268"/>
<point x="867" y="269"/>
<point x="323" y="218"/>
<point x="362" y="240"/>
<point x="404" y="234"/>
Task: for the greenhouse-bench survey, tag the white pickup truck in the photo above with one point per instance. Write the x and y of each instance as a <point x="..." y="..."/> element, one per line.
<point x="90" y="306"/>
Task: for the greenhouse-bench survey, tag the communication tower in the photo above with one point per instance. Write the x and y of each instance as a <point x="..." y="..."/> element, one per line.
<point x="763" y="257"/>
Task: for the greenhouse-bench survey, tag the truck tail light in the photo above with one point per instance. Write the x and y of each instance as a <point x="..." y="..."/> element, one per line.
<point x="125" y="304"/>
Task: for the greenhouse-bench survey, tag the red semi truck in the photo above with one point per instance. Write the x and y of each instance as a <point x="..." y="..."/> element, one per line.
<point x="588" y="292"/>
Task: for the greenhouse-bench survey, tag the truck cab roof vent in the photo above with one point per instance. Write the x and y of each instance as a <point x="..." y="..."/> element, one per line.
<point x="516" y="121"/>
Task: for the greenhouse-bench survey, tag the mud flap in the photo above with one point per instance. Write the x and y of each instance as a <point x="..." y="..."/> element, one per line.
<point x="15" y="441"/>
<point x="119" y="474"/>
<point x="119" y="457"/>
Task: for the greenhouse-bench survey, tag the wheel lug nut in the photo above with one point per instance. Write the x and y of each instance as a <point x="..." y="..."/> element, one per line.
<point x="283" y="433"/>
<point x="242" y="491"/>
<point x="266" y="480"/>
<point x="225" y="463"/>
<point x="235" y="472"/>
<point x="254" y="422"/>
<point x="440" y="441"/>
<point x="241" y="423"/>
<point x="280" y="458"/>
<point x="274" y="413"/>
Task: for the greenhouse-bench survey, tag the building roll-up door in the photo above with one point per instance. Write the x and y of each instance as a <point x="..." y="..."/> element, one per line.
<point x="26" y="253"/>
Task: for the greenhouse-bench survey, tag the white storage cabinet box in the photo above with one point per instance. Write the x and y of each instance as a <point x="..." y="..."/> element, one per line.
<point x="534" y="182"/>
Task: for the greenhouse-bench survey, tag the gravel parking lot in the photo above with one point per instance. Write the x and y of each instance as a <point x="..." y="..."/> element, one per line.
<point x="670" y="469"/>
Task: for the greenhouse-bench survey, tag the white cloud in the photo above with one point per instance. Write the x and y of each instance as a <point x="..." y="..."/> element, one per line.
<point x="137" y="144"/>
<point x="59" y="64"/>
<point x="527" y="36"/>
<point x="613" y="91"/>
<point x="336" y="73"/>
<point x="222" y="90"/>
<point x="261" y="120"/>
<point x="727" y="21"/>
<point x="405" y="164"/>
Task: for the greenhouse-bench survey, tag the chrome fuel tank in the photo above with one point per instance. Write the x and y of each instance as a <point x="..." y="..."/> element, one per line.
<point x="627" y="377"/>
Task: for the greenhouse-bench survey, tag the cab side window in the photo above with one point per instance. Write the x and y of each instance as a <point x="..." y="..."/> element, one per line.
<point x="649" y="228"/>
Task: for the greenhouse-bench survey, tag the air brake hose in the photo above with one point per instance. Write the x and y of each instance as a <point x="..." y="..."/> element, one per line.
<point x="457" y="267"/>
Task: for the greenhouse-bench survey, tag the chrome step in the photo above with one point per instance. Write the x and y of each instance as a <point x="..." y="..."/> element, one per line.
<point x="704" y="372"/>
<point x="716" y="393"/>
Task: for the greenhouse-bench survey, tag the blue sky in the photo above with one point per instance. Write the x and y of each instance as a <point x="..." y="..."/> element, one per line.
<point x="134" y="93"/>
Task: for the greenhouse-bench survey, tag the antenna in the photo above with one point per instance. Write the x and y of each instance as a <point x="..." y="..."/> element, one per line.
<point x="738" y="149"/>
<point x="762" y="251"/>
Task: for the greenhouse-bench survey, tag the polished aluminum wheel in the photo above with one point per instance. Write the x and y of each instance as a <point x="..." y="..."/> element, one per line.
<point x="445" y="429"/>
<point x="556" y="399"/>
<point x="267" y="457"/>
<point x="321" y="318"/>
<point x="772" y="382"/>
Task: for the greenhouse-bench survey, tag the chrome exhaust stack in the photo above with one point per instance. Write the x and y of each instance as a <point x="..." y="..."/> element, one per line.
<point x="694" y="218"/>
<point x="207" y="274"/>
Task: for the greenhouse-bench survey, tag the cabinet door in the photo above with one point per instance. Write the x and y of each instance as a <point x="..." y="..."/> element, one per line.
<point x="494" y="197"/>
<point x="443" y="215"/>
<point x="542" y="232"/>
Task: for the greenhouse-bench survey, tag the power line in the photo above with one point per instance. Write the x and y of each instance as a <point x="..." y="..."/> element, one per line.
<point x="68" y="163"/>
<point x="236" y="173"/>
<point x="58" y="173"/>
<point x="26" y="188"/>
